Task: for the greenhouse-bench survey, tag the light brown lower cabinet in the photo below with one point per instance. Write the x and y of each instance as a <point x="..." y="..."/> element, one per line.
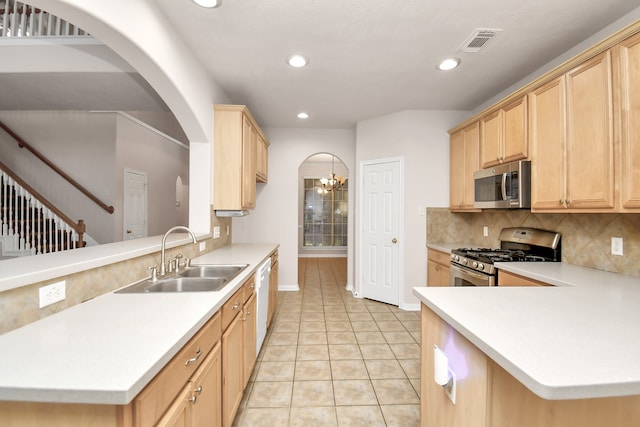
<point x="273" y="288"/>
<point x="437" y="268"/>
<point x="509" y="279"/>
<point x="488" y="396"/>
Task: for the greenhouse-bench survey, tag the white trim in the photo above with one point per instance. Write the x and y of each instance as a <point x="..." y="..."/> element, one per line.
<point x="323" y="255"/>
<point x="361" y="213"/>
<point x="410" y="307"/>
<point x="288" y="288"/>
<point x="145" y="125"/>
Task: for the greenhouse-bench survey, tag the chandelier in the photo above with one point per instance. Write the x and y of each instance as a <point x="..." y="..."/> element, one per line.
<point x="333" y="182"/>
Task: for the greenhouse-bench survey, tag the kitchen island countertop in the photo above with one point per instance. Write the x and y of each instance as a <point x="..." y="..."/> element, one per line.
<point x="106" y="350"/>
<point x="575" y="340"/>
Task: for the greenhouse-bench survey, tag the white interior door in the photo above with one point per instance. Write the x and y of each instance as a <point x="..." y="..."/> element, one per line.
<point x="135" y="205"/>
<point x="382" y="189"/>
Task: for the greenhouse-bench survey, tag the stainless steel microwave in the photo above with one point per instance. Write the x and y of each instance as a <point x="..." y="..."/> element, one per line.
<point x="505" y="186"/>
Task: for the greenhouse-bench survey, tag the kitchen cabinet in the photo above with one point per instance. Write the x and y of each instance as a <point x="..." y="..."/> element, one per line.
<point x="488" y="396"/>
<point x="463" y="163"/>
<point x="238" y="348"/>
<point x="273" y="288"/>
<point x="629" y="54"/>
<point x="437" y="268"/>
<point x="572" y="145"/>
<point x="506" y="278"/>
<point x="237" y="138"/>
<point x="262" y="161"/>
<point x="503" y="134"/>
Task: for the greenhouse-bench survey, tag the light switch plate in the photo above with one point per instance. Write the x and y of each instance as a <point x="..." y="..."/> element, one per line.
<point x="216" y="232"/>
<point x="617" y="246"/>
<point x="203" y="246"/>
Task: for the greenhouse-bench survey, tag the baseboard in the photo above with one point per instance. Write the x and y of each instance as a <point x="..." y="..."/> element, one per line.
<point x="288" y="288"/>
<point x="410" y="307"/>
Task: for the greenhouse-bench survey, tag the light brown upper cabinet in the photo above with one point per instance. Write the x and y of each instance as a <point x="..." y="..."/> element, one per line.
<point x="630" y="114"/>
<point x="503" y="136"/>
<point x="572" y="145"/>
<point x="463" y="162"/>
<point x="238" y="146"/>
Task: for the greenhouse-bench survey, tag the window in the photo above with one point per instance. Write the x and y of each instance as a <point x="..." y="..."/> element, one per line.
<point x="325" y="215"/>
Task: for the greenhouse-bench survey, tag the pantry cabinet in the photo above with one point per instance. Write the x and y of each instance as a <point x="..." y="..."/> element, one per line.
<point x="572" y="146"/>
<point x="239" y="159"/>
<point x="629" y="54"/>
<point x="437" y="268"/>
<point x="463" y="163"/>
<point x="503" y="134"/>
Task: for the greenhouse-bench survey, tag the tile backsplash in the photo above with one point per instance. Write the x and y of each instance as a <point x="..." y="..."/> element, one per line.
<point x="586" y="238"/>
<point x="19" y="306"/>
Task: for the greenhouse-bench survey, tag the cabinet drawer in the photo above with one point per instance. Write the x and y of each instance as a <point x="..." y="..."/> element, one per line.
<point x="509" y="279"/>
<point x="232" y="307"/>
<point x="249" y="288"/>
<point x="438" y="256"/>
<point x="152" y="402"/>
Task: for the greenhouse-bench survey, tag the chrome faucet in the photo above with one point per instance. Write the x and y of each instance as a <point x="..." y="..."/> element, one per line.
<point x="164" y="241"/>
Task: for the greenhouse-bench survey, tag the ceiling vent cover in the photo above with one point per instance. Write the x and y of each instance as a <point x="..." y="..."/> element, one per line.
<point x="478" y="39"/>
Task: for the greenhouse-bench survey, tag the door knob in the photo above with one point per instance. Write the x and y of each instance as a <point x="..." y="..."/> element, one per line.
<point x="129" y="231"/>
<point x="394" y="240"/>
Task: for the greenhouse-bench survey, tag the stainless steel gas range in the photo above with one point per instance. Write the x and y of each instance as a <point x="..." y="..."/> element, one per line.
<point x="475" y="266"/>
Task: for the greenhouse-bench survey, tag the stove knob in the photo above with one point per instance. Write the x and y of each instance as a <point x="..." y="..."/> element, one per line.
<point x="475" y="264"/>
<point x="455" y="258"/>
<point x="480" y="266"/>
<point x="465" y="261"/>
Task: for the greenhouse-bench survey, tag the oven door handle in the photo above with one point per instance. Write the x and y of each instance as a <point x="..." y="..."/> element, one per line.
<point x="504" y="186"/>
<point x="470" y="273"/>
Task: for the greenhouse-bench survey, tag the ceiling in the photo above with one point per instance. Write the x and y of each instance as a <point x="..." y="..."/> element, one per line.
<point x="368" y="58"/>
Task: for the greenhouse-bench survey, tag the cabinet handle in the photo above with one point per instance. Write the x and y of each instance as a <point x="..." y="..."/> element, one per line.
<point x="194" y="358"/>
<point x="235" y="306"/>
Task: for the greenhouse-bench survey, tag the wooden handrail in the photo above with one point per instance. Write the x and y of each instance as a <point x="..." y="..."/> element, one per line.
<point x="24" y="144"/>
<point x="79" y="228"/>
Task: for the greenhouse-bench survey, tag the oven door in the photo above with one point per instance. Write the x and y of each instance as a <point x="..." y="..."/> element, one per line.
<point x="461" y="276"/>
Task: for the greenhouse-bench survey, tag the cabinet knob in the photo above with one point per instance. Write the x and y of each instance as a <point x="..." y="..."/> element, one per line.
<point x="193" y="399"/>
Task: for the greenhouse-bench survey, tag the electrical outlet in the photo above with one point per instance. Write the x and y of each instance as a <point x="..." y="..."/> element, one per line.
<point x="451" y="391"/>
<point x="203" y="246"/>
<point x="617" y="246"/>
<point x="52" y="293"/>
<point x="216" y="232"/>
<point x="485" y="231"/>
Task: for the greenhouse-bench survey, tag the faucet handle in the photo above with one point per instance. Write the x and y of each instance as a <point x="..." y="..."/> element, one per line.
<point x="178" y="258"/>
<point x="187" y="262"/>
<point x="154" y="272"/>
<point x="171" y="265"/>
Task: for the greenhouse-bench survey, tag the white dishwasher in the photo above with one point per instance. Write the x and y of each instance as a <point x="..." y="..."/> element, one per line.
<point x="262" y="290"/>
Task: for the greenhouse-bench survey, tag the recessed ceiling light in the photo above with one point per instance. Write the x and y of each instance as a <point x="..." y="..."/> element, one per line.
<point x="303" y="115"/>
<point x="297" y="61"/>
<point x="208" y="3"/>
<point x="449" y="64"/>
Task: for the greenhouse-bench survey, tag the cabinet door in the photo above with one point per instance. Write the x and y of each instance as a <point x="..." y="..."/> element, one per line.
<point x="456" y="170"/>
<point x="262" y="159"/>
<point x="248" y="164"/>
<point x="471" y="162"/>
<point x="273" y="289"/>
<point x="630" y="96"/>
<point x="437" y="274"/>
<point x="514" y="139"/>
<point x="206" y="389"/>
<point x="590" y="135"/>
<point x="232" y="365"/>
<point x="179" y="413"/>
<point x="509" y="279"/>
<point x="491" y="139"/>
<point x="547" y="135"/>
<point x="249" y="332"/>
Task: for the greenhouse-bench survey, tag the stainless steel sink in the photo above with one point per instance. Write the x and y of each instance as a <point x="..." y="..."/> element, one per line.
<point x="198" y="278"/>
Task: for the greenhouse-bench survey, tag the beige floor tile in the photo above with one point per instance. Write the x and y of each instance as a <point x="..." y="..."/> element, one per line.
<point x="283" y="338"/>
<point x="391" y="326"/>
<point x="354" y="392"/>
<point x="394" y="392"/>
<point x="334" y="309"/>
<point x="374" y="337"/>
<point x="280" y="353"/>
<point x="275" y="371"/>
<point x="385" y="369"/>
<point x="341" y="338"/>
<point x="336" y="316"/>
<point x="272" y="394"/>
<point x="263" y="417"/>
<point x="313" y="417"/>
<point x="338" y="326"/>
<point x="349" y="370"/>
<point x="313" y="352"/>
<point x="312" y="393"/>
<point x="366" y="326"/>
<point x="312" y="316"/>
<point x="311" y="338"/>
<point x="344" y="352"/>
<point x="312" y="327"/>
<point x="312" y="370"/>
<point x="383" y="315"/>
<point x="360" y="317"/>
<point x="407" y="315"/>
<point x="411" y="367"/>
<point x="415" y="335"/>
<point x="406" y="351"/>
<point x="286" y="326"/>
<point x="377" y="307"/>
<point x="412" y="325"/>
<point x="415" y="382"/>
<point x="401" y="415"/>
<point x="360" y="416"/>
<point x="376" y="351"/>
<point x="355" y="308"/>
<point x="400" y="337"/>
<point x="312" y="307"/>
<point x="288" y="317"/>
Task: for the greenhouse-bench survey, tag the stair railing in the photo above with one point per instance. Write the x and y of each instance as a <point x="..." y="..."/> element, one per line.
<point x="34" y="224"/>
<point x="24" y="144"/>
<point x="18" y="19"/>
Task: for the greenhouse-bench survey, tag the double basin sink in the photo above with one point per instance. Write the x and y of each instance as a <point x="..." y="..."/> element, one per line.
<point x="197" y="278"/>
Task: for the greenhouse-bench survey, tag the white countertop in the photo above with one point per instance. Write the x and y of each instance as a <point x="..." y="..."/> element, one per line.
<point x="448" y="247"/>
<point x="106" y="350"/>
<point x="574" y="341"/>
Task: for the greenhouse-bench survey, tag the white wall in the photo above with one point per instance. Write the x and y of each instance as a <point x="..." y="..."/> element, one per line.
<point x="275" y="218"/>
<point x="421" y="138"/>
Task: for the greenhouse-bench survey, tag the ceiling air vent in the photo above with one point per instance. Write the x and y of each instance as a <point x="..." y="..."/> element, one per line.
<point x="478" y="39"/>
